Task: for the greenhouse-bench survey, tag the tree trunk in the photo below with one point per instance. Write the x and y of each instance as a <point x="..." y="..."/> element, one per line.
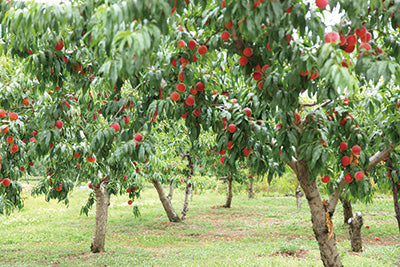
<point x="251" y="187"/>
<point x="327" y="245"/>
<point x="172" y="216"/>
<point x="171" y="191"/>
<point x="299" y="195"/>
<point x="355" y="232"/>
<point x="347" y="209"/>
<point x="395" y="192"/>
<point x="229" y="195"/>
<point x="188" y="192"/>
<point x="102" y="203"/>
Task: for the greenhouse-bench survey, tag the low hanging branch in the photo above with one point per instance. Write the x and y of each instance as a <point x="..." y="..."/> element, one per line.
<point x="373" y="161"/>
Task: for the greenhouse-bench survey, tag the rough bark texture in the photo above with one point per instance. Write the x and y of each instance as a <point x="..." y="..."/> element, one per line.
<point x="188" y="193"/>
<point x="229" y="194"/>
<point x="172" y="216"/>
<point x="102" y="203"/>
<point x="328" y="250"/>
<point x="189" y="186"/>
<point x="299" y="195"/>
<point x="347" y="209"/>
<point x="171" y="191"/>
<point x="395" y="188"/>
<point x="355" y="224"/>
<point x="251" y="187"/>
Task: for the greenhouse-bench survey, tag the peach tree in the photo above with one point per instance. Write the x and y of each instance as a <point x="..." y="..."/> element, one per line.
<point x="85" y="60"/>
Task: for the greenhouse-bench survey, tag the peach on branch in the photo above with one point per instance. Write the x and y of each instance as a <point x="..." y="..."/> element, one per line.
<point x="13" y="116"/>
<point x="347" y="178"/>
<point x="321" y="4"/>
<point x="138" y="137"/>
<point x="200" y="86"/>
<point x="175" y="96"/>
<point x="225" y="35"/>
<point x="202" y="50"/>
<point x="181" y="87"/>
<point x="192" y="45"/>
<point x="232" y="128"/>
<point x="6" y="182"/>
<point x="116" y="126"/>
<point x="343" y="146"/>
<point x="190" y="101"/>
<point x="356" y="150"/>
<point x="345" y="161"/>
<point x="325" y="179"/>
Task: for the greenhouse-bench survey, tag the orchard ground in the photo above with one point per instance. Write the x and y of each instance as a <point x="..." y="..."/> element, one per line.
<point x="266" y="231"/>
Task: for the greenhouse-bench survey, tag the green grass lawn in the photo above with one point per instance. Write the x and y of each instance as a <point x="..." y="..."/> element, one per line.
<point x="265" y="231"/>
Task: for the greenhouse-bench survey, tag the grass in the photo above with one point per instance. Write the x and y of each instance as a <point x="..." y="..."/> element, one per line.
<point x="265" y="231"/>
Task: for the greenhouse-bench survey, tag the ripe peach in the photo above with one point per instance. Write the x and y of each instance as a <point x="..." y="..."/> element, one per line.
<point x="331" y="37"/>
<point x="343" y="146"/>
<point x="181" y="44"/>
<point x="192" y="45"/>
<point x="257" y="75"/>
<point x="225" y="35"/>
<point x="59" y="124"/>
<point x="247" y="111"/>
<point x="10" y="140"/>
<point x="248" y="52"/>
<point x="202" y="50"/>
<point x="200" y="86"/>
<point x="347" y="178"/>
<point x="175" y="96"/>
<point x="6" y="182"/>
<point x="59" y="46"/>
<point x="13" y="116"/>
<point x="359" y="175"/>
<point x="345" y="161"/>
<point x="181" y="87"/>
<point x="243" y="61"/>
<point x="321" y="4"/>
<point x="14" y="148"/>
<point x="356" y="150"/>
<point x="325" y="179"/>
<point x="138" y="137"/>
<point x="116" y="126"/>
<point x="232" y="128"/>
<point x="190" y="101"/>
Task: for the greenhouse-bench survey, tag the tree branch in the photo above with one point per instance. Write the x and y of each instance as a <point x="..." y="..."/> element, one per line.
<point x="373" y="161"/>
<point x="238" y="41"/>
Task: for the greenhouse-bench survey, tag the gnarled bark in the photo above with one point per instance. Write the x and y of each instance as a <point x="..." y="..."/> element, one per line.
<point x="251" y="187"/>
<point x="347" y="209"/>
<point x="171" y="191"/>
<point x="172" y="216"/>
<point x="102" y="204"/>
<point x="355" y="224"/>
<point x="299" y="195"/>
<point x="188" y="193"/>
<point x="327" y="246"/>
<point x="395" y="191"/>
<point x="229" y="194"/>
